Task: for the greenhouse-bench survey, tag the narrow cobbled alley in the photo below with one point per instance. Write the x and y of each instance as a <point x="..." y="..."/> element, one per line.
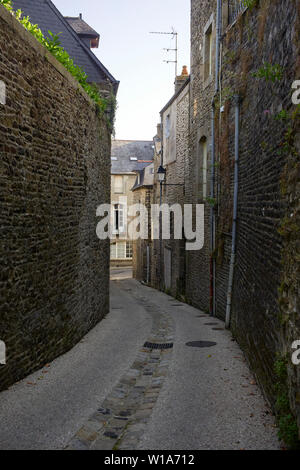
<point x="115" y="390"/>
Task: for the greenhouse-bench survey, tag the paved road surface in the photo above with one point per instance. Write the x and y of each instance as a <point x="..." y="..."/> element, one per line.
<point x="112" y="392"/>
<point x="121" y="273"/>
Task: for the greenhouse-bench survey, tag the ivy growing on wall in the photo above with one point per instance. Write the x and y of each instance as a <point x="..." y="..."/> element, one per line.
<point x="288" y="430"/>
<point x="53" y="45"/>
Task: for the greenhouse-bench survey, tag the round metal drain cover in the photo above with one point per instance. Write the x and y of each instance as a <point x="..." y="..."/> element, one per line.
<point x="210" y="324"/>
<point x="158" y="345"/>
<point x="201" y="344"/>
<point x="218" y="329"/>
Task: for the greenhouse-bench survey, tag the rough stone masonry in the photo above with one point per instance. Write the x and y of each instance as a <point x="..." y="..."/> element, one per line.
<point x="55" y="171"/>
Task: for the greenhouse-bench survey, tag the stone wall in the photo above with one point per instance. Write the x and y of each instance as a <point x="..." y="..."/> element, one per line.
<point x="169" y="255"/>
<point x="266" y="33"/>
<point x="265" y="310"/>
<point x="201" y="95"/>
<point x="55" y="171"/>
<point x="142" y="262"/>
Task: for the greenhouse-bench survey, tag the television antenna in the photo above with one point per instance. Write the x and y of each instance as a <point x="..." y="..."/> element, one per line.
<point x="174" y="35"/>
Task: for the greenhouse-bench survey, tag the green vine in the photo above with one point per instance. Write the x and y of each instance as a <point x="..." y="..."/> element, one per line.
<point x="211" y="201"/>
<point x="53" y="45"/>
<point x="287" y="424"/>
<point x="269" y="72"/>
<point x="249" y="3"/>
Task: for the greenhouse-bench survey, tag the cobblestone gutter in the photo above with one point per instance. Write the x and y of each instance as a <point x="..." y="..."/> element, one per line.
<point x="121" y="421"/>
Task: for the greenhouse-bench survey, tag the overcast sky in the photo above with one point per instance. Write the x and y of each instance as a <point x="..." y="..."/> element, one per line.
<point x="136" y="57"/>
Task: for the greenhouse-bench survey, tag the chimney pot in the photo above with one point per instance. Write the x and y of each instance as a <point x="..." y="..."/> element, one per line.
<point x="181" y="79"/>
<point x="184" y="71"/>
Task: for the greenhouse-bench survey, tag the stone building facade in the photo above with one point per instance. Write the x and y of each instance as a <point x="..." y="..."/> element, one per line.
<point x="55" y="172"/>
<point x="248" y="114"/>
<point x="242" y="162"/>
<point x="142" y="248"/>
<point x="127" y="158"/>
<point x="171" y="152"/>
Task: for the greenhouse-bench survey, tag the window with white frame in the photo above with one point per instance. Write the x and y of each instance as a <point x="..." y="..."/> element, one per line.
<point x="118" y="184"/>
<point x="129" y="250"/>
<point x="121" y="250"/>
<point x="119" y="218"/>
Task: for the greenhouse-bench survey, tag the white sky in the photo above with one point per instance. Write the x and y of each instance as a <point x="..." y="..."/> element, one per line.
<point x="135" y="57"/>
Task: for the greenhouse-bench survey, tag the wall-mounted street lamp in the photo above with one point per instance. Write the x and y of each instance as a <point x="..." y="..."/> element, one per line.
<point x="161" y="174"/>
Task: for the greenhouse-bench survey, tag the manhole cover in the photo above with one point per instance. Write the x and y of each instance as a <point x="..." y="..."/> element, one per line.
<point x="210" y="324"/>
<point x="158" y="345"/>
<point x="218" y="329"/>
<point x="201" y="344"/>
<point x="201" y="316"/>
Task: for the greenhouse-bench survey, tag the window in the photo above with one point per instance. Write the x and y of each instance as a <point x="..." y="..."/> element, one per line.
<point x="119" y="218"/>
<point x="203" y="164"/>
<point x="204" y="159"/>
<point x="121" y="250"/>
<point x="129" y="250"/>
<point x="168" y="126"/>
<point x="118" y="184"/>
<point x="208" y="53"/>
<point x="113" y="251"/>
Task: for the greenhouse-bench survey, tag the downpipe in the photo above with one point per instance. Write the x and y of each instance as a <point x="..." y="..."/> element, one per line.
<point x="235" y="211"/>
<point x="212" y="295"/>
<point x="212" y="216"/>
<point x="160" y="213"/>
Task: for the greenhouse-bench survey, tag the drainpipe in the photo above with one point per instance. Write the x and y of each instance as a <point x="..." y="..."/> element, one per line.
<point x="160" y="213"/>
<point x="212" y="215"/>
<point x="235" y="209"/>
<point x="218" y="40"/>
<point x="213" y="159"/>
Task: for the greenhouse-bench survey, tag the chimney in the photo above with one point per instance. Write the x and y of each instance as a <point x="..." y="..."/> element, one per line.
<point x="181" y="79"/>
<point x="80" y="16"/>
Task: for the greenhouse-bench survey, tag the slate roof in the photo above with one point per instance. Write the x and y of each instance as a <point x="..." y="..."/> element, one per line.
<point x="80" y="26"/>
<point x="145" y="179"/>
<point x="46" y="15"/>
<point x="124" y="149"/>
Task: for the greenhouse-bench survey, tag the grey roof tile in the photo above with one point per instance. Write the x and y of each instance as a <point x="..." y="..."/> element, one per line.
<point x="80" y="26"/>
<point x="123" y="150"/>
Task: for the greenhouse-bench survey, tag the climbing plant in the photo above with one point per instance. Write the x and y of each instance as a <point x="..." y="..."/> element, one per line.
<point x="287" y="424"/>
<point x="270" y="72"/>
